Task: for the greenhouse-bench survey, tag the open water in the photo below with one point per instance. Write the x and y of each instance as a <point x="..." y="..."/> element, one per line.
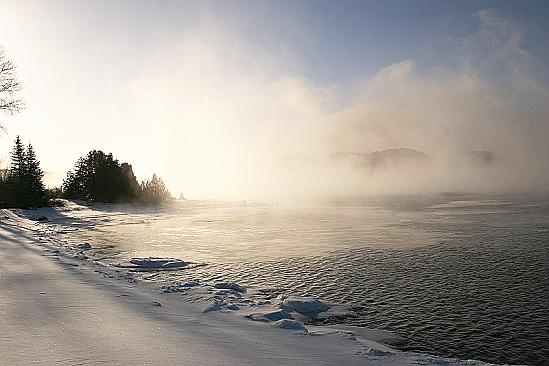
<point x="457" y="275"/>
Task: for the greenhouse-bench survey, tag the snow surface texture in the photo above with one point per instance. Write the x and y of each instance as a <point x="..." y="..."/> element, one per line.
<point x="61" y="305"/>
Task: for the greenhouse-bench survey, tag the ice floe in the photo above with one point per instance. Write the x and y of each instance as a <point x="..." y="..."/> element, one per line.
<point x="304" y="305"/>
<point x="230" y="286"/>
<point x="84" y="246"/>
<point x="270" y="316"/>
<point x="154" y="263"/>
<point x="179" y="287"/>
<point x="289" y="324"/>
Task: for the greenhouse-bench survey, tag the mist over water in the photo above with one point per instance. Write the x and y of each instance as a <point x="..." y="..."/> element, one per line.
<point x="281" y="131"/>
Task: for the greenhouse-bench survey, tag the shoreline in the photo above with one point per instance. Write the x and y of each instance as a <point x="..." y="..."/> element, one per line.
<point x="110" y="318"/>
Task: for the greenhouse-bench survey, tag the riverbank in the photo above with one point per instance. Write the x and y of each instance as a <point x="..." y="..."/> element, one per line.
<point x="60" y="309"/>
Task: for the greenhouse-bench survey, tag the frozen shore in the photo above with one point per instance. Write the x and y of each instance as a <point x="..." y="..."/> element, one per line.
<point x="60" y="306"/>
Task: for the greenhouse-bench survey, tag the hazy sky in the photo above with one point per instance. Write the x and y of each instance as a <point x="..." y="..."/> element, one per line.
<point x="205" y="92"/>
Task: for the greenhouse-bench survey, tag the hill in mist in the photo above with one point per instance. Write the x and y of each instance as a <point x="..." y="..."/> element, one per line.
<point x="384" y="159"/>
<point x="397" y="157"/>
<point x="479" y="157"/>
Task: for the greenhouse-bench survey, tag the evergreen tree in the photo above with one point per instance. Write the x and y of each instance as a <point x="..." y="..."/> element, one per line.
<point x="5" y="191"/>
<point x="25" y="187"/>
<point x="131" y="187"/>
<point x="17" y="168"/>
<point x="99" y="177"/>
<point x="17" y="188"/>
<point x="154" y="191"/>
<point x="34" y="179"/>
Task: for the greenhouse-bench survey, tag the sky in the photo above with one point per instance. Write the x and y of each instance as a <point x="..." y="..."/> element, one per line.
<point x="208" y="94"/>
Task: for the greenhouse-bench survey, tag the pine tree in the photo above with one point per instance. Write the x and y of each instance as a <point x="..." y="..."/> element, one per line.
<point x="25" y="185"/>
<point x="16" y="176"/>
<point x="131" y="188"/>
<point x="33" y="177"/>
<point x="154" y="191"/>
<point x="101" y="178"/>
<point x="17" y="169"/>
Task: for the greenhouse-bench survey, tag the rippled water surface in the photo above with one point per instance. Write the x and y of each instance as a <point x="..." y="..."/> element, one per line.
<point x="455" y="275"/>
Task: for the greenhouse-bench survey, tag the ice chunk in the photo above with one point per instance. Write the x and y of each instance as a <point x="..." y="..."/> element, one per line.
<point x="229" y="293"/>
<point x="271" y="316"/>
<point x="304" y="305"/>
<point x="289" y="324"/>
<point x="155" y="262"/>
<point x="220" y="304"/>
<point x="214" y="306"/>
<point x="378" y="353"/>
<point x="336" y="314"/>
<point x="232" y="307"/>
<point x="84" y="246"/>
<point x="190" y="284"/>
<point x="277" y="315"/>
<point x="230" y="286"/>
<point x="179" y="287"/>
<point x="81" y="256"/>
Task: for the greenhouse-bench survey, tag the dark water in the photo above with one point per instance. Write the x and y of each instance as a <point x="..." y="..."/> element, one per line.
<point x="456" y="275"/>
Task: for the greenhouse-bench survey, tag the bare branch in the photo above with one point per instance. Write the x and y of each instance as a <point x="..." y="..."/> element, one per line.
<point x="10" y="102"/>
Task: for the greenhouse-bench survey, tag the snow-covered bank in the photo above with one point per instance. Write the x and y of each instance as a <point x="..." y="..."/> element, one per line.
<point x="59" y="304"/>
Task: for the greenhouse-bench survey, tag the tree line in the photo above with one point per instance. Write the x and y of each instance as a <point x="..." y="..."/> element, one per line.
<point x="96" y="177"/>
<point x="22" y="184"/>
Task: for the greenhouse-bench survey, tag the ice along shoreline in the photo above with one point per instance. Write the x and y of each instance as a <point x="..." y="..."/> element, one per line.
<point x="220" y="306"/>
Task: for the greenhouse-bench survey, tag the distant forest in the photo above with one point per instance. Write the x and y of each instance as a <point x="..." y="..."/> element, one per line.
<point x="96" y="177"/>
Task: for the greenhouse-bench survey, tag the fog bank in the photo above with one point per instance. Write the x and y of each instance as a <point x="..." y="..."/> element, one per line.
<point x="279" y="134"/>
<point x="220" y="112"/>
